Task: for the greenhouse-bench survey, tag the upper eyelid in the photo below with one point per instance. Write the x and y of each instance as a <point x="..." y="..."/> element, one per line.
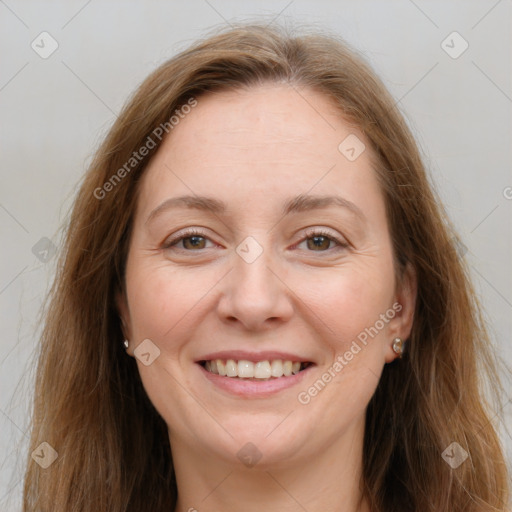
<point x="187" y="233"/>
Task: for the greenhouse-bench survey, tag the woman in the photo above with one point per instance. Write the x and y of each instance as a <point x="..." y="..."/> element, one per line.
<point x="259" y="280"/>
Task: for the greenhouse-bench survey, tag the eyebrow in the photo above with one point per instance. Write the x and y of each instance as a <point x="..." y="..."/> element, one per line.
<point x="300" y="203"/>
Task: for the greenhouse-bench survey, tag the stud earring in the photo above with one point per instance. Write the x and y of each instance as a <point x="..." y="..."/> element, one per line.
<point x="398" y="346"/>
<point x="126" y="343"/>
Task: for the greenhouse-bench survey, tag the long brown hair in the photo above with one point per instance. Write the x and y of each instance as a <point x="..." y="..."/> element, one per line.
<point x="90" y="405"/>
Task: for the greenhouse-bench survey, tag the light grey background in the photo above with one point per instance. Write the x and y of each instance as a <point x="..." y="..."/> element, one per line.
<point x="55" y="111"/>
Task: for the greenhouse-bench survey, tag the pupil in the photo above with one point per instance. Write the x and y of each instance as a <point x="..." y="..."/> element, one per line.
<point x="317" y="241"/>
<point x="194" y="241"/>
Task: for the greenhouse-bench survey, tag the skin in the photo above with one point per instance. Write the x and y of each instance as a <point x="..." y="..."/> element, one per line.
<point x="254" y="149"/>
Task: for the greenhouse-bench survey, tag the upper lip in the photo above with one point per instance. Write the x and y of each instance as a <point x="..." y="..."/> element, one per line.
<point x="243" y="355"/>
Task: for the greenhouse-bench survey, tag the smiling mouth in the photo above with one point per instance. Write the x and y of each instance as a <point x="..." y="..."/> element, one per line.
<point x="256" y="371"/>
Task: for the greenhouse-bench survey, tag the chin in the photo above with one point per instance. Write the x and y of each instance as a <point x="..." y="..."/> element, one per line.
<point x="261" y="441"/>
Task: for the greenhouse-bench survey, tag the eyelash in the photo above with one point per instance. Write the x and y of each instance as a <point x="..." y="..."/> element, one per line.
<point x="315" y="232"/>
<point x="311" y="233"/>
<point x="186" y="234"/>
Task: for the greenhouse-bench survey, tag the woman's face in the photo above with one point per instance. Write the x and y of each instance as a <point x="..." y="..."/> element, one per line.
<point x="263" y="278"/>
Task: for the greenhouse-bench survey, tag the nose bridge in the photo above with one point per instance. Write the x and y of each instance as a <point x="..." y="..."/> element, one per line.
<point x="252" y="269"/>
<point x="253" y="293"/>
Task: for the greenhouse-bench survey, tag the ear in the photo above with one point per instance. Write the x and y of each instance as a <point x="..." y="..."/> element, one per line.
<point x="124" y="315"/>
<point x="405" y="303"/>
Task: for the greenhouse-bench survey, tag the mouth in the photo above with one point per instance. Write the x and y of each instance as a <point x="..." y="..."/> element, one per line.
<point x="246" y="370"/>
<point x="249" y="374"/>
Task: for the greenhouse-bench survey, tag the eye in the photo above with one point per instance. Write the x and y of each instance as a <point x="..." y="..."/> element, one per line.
<point x="190" y="239"/>
<point x="320" y="240"/>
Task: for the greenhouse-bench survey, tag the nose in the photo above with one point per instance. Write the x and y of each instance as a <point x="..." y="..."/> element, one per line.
<point x="255" y="294"/>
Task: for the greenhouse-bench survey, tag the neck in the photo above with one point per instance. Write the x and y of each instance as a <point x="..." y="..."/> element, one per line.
<point x="327" y="480"/>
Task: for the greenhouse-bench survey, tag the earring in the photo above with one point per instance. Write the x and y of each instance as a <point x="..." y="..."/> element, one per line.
<point x="126" y="343"/>
<point x="398" y="346"/>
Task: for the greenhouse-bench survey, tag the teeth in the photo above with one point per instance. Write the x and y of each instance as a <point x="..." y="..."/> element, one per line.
<point x="276" y="368"/>
<point x="248" y="370"/>
<point x="245" y="369"/>
<point x="231" y="368"/>
<point x="221" y="367"/>
<point x="262" y="370"/>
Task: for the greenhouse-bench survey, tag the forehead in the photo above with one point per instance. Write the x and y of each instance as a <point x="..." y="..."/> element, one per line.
<point x="254" y="144"/>
<point x="264" y="117"/>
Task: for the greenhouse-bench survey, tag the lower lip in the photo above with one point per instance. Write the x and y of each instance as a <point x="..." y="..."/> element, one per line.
<point x="253" y="388"/>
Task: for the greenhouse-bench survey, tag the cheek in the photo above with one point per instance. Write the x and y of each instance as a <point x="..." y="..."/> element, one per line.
<point x="354" y="306"/>
<point x="349" y="299"/>
<point x="161" y="299"/>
